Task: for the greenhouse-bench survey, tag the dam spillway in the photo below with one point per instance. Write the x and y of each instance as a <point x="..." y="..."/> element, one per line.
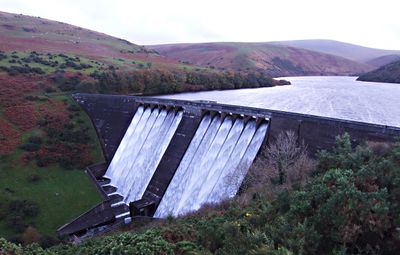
<point x="140" y="151"/>
<point x="218" y="156"/>
<point x="169" y="157"/>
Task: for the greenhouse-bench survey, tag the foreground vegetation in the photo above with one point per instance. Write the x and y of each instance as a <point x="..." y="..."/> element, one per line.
<point x="347" y="202"/>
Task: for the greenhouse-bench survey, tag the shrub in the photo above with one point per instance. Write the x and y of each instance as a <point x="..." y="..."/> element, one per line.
<point x="49" y="90"/>
<point x="282" y="164"/>
<point x="30" y="147"/>
<point x="34" y="178"/>
<point x="73" y="108"/>
<point x="24" y="208"/>
<point x="30" y="235"/>
<point x="35" y="140"/>
<point x="350" y="205"/>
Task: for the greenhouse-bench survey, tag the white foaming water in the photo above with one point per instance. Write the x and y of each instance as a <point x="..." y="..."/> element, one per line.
<point x="231" y="175"/>
<point x="120" y="167"/>
<point x="193" y="172"/>
<point x="182" y="174"/>
<point x="232" y="185"/>
<point x="141" y="150"/>
<point x="218" y="150"/>
<point x="191" y="198"/>
<point x="112" y="169"/>
<point x="151" y="155"/>
<point x="217" y="167"/>
<point x="131" y="154"/>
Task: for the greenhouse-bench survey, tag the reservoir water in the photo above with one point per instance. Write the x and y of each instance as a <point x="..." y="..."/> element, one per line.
<point x="330" y="96"/>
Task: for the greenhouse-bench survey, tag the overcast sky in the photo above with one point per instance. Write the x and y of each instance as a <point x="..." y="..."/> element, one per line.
<point x="364" y="22"/>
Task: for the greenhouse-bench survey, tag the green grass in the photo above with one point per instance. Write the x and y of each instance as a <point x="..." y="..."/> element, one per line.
<point x="96" y="147"/>
<point x="122" y="62"/>
<point x="193" y="68"/>
<point x="50" y="69"/>
<point x="60" y="194"/>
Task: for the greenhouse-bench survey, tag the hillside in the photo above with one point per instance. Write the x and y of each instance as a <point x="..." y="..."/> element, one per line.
<point x="25" y="33"/>
<point x="388" y="73"/>
<point x="384" y="60"/>
<point x="345" y="50"/>
<point x="46" y="140"/>
<point x="272" y="59"/>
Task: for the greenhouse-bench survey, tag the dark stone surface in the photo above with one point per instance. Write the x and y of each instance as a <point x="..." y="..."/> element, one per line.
<point x="92" y="177"/>
<point x="98" y="170"/>
<point x="100" y="214"/>
<point x="142" y="207"/>
<point x="319" y="133"/>
<point x="110" y="116"/>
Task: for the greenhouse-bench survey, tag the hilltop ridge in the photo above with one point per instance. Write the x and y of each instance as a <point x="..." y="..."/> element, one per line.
<point x="350" y="51"/>
<point x="272" y="59"/>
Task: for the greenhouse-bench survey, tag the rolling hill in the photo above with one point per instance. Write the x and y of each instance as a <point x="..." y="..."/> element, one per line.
<point x="387" y="73"/>
<point x="23" y="33"/>
<point x="272" y="59"/>
<point x="345" y="50"/>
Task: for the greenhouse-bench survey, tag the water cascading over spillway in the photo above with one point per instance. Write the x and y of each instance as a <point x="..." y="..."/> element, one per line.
<point x="141" y="150"/>
<point x="214" y="165"/>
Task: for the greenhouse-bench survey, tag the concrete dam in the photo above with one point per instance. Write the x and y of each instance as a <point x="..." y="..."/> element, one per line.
<point x="169" y="157"/>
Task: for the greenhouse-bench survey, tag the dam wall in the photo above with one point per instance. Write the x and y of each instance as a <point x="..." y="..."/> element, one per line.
<point x="111" y="115"/>
<point x="163" y="152"/>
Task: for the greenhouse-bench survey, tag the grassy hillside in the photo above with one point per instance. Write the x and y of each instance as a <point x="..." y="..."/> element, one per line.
<point x="272" y="59"/>
<point x="26" y="33"/>
<point x="350" y="51"/>
<point x="388" y="73"/>
<point x="45" y="138"/>
<point x="23" y="33"/>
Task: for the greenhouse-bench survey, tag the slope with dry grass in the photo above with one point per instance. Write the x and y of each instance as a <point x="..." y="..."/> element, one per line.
<point x="272" y="59"/>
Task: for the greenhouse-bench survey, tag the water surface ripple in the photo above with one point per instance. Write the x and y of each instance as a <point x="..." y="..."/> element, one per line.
<point x="330" y="96"/>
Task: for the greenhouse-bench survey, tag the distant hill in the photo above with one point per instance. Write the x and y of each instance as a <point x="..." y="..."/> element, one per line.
<point x="384" y="60"/>
<point x="26" y="33"/>
<point x="350" y="51"/>
<point x="21" y="32"/>
<point x="273" y="59"/>
<point x="388" y="73"/>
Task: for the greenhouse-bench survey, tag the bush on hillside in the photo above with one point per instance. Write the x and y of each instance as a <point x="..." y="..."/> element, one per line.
<point x="31" y="147"/>
<point x="282" y="164"/>
<point x="19" y="212"/>
<point x="30" y="236"/>
<point x="351" y="205"/>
